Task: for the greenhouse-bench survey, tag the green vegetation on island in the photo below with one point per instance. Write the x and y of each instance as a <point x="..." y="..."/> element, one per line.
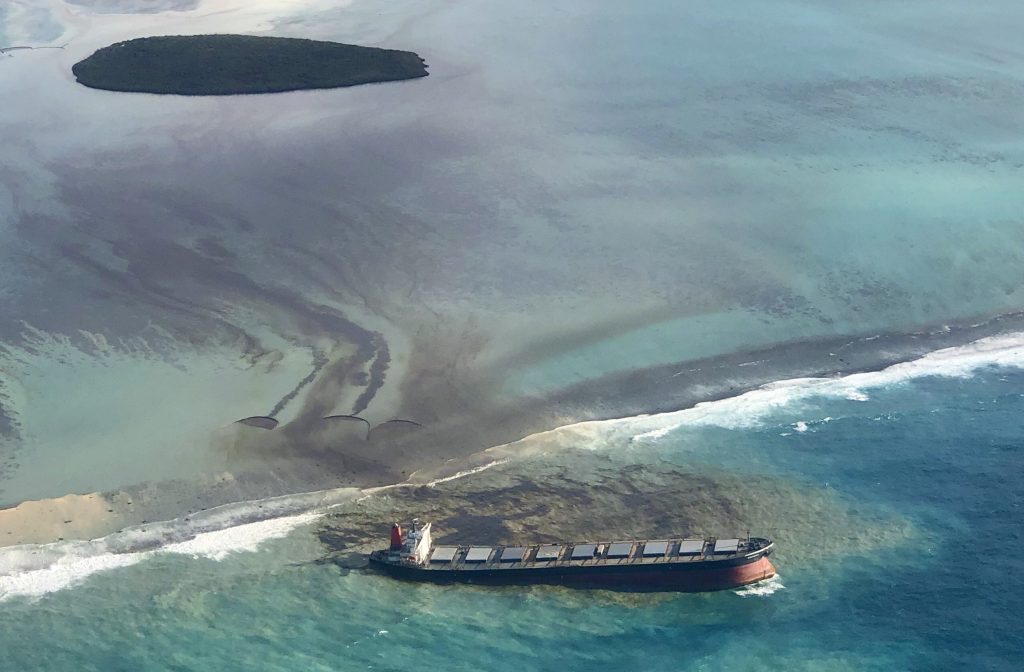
<point x="211" y="65"/>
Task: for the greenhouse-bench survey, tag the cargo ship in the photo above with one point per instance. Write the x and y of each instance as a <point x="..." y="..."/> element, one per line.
<point x="675" y="564"/>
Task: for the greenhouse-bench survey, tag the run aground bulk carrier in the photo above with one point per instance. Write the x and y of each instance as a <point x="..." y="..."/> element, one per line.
<point x="678" y="564"/>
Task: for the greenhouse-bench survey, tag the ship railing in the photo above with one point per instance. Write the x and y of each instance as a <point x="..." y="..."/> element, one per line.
<point x="600" y="554"/>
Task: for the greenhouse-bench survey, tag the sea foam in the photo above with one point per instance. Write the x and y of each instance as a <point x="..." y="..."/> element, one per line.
<point x="34" y="570"/>
<point x="749" y="409"/>
<point x="761" y="588"/>
<point x="242" y="538"/>
<point x="70" y="566"/>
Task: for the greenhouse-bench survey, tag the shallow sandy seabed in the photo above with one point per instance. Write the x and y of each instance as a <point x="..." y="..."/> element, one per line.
<point x="489" y="252"/>
<point x="600" y="497"/>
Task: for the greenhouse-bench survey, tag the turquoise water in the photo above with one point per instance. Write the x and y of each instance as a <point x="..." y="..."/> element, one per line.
<point x="943" y="453"/>
<point x="579" y="188"/>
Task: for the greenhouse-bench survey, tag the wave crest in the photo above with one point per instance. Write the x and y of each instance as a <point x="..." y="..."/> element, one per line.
<point x="749" y="409"/>
<point x="34" y="570"/>
<point x="762" y="588"/>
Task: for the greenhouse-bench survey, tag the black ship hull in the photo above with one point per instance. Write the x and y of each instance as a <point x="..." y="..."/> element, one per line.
<point x="695" y="576"/>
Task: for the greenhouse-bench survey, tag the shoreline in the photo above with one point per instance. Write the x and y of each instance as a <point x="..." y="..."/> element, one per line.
<point x="136" y="507"/>
<point x="682" y="385"/>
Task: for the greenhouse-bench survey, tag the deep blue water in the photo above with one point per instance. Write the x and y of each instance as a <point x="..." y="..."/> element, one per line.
<point x="945" y="452"/>
<point x="942" y="455"/>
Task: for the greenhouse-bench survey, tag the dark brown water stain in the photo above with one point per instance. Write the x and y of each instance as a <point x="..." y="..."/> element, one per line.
<point x="462" y="413"/>
<point x="376" y="374"/>
<point x="140" y="249"/>
<point x="319" y="362"/>
<point x="580" y="495"/>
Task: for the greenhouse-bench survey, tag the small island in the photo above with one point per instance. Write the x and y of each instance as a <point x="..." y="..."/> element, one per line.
<point x="218" y="65"/>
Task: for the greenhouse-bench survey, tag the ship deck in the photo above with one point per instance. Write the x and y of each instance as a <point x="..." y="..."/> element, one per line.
<point x="468" y="558"/>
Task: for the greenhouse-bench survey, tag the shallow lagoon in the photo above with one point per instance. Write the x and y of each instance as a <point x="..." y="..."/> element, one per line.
<point x="577" y="190"/>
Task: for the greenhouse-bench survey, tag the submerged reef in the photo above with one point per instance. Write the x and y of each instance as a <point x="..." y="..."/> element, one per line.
<point x="582" y="495"/>
<point x="211" y="65"/>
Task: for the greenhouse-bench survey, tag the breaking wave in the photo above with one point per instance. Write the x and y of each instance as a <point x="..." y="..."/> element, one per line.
<point x="749" y="409"/>
<point x="34" y="570"/>
<point x="761" y="588"/>
<point x="467" y="472"/>
<point x="242" y="538"/>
